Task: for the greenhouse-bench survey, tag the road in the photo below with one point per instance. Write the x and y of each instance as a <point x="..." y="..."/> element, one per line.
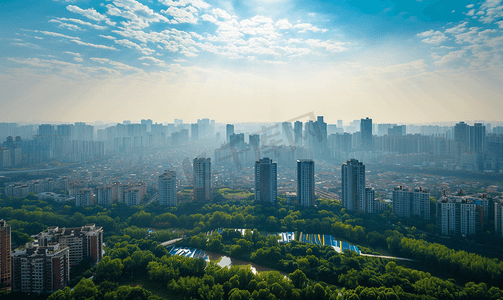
<point x="170" y="242"/>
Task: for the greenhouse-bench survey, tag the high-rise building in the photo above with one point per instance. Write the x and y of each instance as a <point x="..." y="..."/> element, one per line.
<point x="84" y="197"/>
<point x="353" y="186"/>
<point x="133" y="196"/>
<point x="254" y="141"/>
<point x="458" y="215"/>
<point x="148" y="124"/>
<point x="202" y="179"/>
<point x="5" y="260"/>
<point x="237" y="140"/>
<point x="167" y="188"/>
<point x="370" y="200"/>
<point x="407" y="203"/>
<point x="194" y="132"/>
<point x="229" y="130"/>
<point x="305" y="182"/>
<point x="498" y="219"/>
<point x="41" y="269"/>
<point x="266" y="181"/>
<point x="105" y="195"/>
<point x="287" y="133"/>
<point x="462" y="135"/>
<point x="366" y="134"/>
<point x="477" y="138"/>
<point x="85" y="241"/>
<point x="297" y="129"/>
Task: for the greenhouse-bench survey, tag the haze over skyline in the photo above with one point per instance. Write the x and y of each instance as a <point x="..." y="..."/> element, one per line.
<point x="259" y="61"/>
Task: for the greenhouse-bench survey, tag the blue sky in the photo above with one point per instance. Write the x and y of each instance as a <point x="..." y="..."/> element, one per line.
<point x="237" y="61"/>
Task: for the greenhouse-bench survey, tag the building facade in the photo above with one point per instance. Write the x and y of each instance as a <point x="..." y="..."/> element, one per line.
<point x="459" y="216"/>
<point x="5" y="258"/>
<point x="167" y="189"/>
<point x="353" y="186"/>
<point x="266" y="181"/>
<point x="40" y="269"/>
<point x="305" y="182"/>
<point x="85" y="241"/>
<point x="407" y="203"/>
<point x="202" y="179"/>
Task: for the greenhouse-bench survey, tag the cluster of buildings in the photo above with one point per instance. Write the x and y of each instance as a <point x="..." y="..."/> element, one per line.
<point x="455" y="214"/>
<point x="130" y="193"/>
<point x="471" y="147"/>
<point x="21" y="189"/>
<point x="44" y="265"/>
<point x="466" y="215"/>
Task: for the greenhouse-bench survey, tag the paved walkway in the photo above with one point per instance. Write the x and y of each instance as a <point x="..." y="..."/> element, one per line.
<point x="170" y="242"/>
<point x="388" y="257"/>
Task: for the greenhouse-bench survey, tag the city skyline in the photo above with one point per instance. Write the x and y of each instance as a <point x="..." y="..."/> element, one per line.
<point x="261" y="61"/>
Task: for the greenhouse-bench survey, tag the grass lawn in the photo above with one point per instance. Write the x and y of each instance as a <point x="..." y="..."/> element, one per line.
<point x="233" y="194"/>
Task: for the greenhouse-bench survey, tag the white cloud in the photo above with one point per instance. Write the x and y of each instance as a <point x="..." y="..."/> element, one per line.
<point x="83" y="23"/>
<point x="154" y="60"/>
<point x="89" y="13"/>
<point x="138" y="14"/>
<point x="283" y="24"/>
<point x="453" y="59"/>
<point x="72" y="53"/>
<point x="220" y="13"/>
<point x="50" y="33"/>
<point x="117" y="65"/>
<point x="107" y="37"/>
<point x="94" y="45"/>
<point x="24" y="44"/>
<point x="209" y="18"/>
<point x="304" y="27"/>
<point x="182" y="15"/>
<point x="72" y="27"/>
<point x="196" y="3"/>
<point x="457" y="29"/>
<point x="78" y="59"/>
<point x="37" y="62"/>
<point x="433" y="37"/>
<point x="129" y="44"/>
<point x="330" y="46"/>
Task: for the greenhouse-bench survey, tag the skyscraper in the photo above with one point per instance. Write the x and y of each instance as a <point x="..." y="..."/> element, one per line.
<point x="194" y="132"/>
<point x="462" y="135"/>
<point x="41" y="269"/>
<point x="5" y="261"/>
<point x="366" y="134"/>
<point x="353" y="185"/>
<point x="266" y="181"/>
<point x="297" y="129"/>
<point x="407" y="203"/>
<point x="305" y="182"/>
<point x="287" y="133"/>
<point x="229" y="130"/>
<point x="202" y="179"/>
<point x="167" y="189"/>
<point x="477" y="138"/>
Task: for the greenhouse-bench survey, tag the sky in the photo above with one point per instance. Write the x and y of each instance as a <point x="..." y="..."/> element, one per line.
<point x="402" y="61"/>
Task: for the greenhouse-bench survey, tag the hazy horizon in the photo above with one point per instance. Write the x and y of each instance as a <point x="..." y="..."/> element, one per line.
<point x="260" y="61"/>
